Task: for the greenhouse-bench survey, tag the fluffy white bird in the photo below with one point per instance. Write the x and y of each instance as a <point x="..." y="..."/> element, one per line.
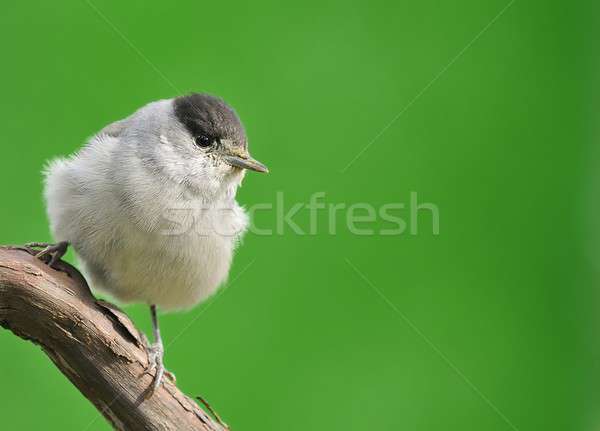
<point x="149" y="205"/>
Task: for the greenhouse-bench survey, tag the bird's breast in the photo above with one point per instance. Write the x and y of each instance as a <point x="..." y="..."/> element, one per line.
<point x="180" y="264"/>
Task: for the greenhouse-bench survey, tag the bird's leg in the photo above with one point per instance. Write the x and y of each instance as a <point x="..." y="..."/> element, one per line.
<point x="156" y="353"/>
<point x="55" y="251"/>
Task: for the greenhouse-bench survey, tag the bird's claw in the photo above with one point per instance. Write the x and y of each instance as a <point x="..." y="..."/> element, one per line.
<point x="155" y="363"/>
<point x="55" y="251"/>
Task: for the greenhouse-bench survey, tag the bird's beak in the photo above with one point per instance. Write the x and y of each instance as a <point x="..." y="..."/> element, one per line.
<point x="239" y="157"/>
<point x="246" y="162"/>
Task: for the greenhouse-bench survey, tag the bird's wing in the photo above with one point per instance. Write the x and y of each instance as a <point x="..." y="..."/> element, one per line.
<point x="114" y="129"/>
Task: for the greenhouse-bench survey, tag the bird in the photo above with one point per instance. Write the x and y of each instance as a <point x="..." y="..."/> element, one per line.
<point x="149" y="206"/>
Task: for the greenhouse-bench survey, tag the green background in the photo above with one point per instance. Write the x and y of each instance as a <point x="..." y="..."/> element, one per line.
<point x="489" y="325"/>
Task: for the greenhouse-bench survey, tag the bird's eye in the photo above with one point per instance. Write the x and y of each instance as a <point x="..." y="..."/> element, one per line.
<point x="203" y="141"/>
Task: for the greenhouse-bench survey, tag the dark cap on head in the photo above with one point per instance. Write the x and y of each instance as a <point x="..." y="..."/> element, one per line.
<point x="203" y="114"/>
<point x="210" y="120"/>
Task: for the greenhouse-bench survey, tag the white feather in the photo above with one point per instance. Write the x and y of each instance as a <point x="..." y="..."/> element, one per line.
<point x="115" y="202"/>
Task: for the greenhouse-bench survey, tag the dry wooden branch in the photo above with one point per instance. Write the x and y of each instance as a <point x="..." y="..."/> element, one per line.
<point x="93" y="343"/>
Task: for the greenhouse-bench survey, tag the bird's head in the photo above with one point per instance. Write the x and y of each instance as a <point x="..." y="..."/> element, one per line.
<point x="215" y="130"/>
<point x="201" y="142"/>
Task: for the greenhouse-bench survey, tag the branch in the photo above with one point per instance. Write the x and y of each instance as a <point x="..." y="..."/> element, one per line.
<point x="91" y="342"/>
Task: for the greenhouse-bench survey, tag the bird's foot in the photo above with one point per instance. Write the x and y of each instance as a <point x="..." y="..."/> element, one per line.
<point x="156" y="354"/>
<point x="50" y="253"/>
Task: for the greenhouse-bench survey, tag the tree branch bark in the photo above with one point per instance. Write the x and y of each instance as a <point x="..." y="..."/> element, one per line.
<point x="91" y="342"/>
